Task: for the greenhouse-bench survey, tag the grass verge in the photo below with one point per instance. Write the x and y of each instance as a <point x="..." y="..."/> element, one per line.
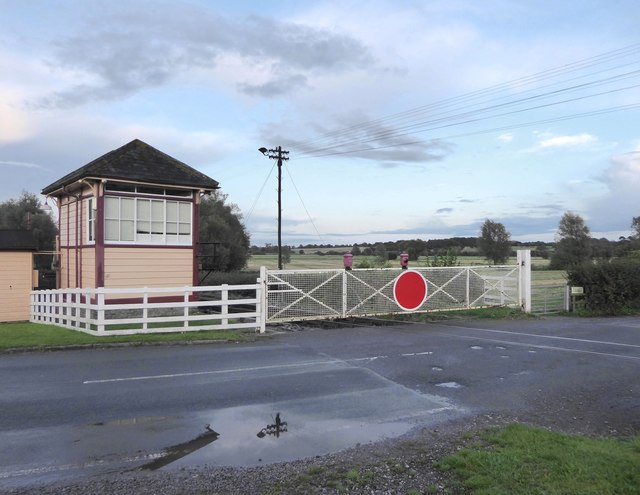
<point x="29" y="335"/>
<point x="511" y="460"/>
<point x="522" y="460"/>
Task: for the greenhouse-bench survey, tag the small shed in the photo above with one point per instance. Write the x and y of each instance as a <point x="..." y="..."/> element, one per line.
<point x="129" y="218"/>
<point x="17" y="276"/>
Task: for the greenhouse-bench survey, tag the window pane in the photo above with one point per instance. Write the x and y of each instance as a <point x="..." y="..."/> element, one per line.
<point x="157" y="227"/>
<point x="127" y="208"/>
<point x="111" y="230"/>
<point x="111" y="207"/>
<point x="157" y="211"/>
<point x="172" y="211"/>
<point x="114" y="186"/>
<point x="143" y="227"/>
<point x="179" y="192"/>
<point x="185" y="212"/>
<point x="172" y="228"/>
<point x="150" y="190"/>
<point x="126" y="230"/>
<point x="185" y="228"/>
<point x="143" y="209"/>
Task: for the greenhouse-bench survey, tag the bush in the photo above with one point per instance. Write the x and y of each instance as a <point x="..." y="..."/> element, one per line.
<point x="610" y="286"/>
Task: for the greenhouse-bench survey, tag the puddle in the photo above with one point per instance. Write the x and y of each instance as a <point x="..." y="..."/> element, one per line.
<point x="437" y="368"/>
<point x="291" y="430"/>
<point x="251" y="441"/>
<point x="504" y="356"/>
<point x="501" y="348"/>
<point x="449" y="385"/>
<point x="531" y="351"/>
<point x="477" y="347"/>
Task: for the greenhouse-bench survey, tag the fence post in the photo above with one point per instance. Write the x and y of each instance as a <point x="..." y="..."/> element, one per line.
<point x="145" y="309"/>
<point x="100" y="311"/>
<point x="224" y="309"/>
<point x="186" y="307"/>
<point x="262" y="298"/>
<point x="524" y="283"/>
<point x="468" y="270"/>
<point x="344" y="293"/>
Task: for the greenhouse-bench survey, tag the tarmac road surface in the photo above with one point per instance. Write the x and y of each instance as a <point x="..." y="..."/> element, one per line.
<point x="69" y="414"/>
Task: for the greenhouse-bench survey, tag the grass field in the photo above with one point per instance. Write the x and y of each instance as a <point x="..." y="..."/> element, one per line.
<point x="539" y="276"/>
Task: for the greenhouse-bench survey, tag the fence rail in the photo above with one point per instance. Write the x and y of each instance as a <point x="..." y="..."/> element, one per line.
<point x="279" y="295"/>
<point x="148" y="310"/>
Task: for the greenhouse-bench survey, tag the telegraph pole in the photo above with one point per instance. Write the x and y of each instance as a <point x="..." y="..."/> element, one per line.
<point x="278" y="154"/>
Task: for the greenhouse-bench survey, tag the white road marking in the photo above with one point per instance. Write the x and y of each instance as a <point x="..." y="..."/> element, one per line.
<point x="241" y="370"/>
<point x="548" y="347"/>
<point x="545" y="336"/>
<point x="211" y="372"/>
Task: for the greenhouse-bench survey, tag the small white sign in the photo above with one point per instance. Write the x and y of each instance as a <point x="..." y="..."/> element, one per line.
<point x="577" y="291"/>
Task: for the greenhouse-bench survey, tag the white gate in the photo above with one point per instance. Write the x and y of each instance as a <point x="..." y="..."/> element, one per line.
<point x="317" y="294"/>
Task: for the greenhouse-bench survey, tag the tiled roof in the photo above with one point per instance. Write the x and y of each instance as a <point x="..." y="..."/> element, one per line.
<point x="17" y="240"/>
<point x="139" y="162"/>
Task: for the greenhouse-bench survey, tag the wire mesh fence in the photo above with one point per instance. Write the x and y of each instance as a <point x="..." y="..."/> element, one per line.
<point x="315" y="294"/>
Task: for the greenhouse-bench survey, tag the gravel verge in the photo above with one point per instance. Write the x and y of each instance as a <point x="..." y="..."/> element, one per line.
<point x="407" y="464"/>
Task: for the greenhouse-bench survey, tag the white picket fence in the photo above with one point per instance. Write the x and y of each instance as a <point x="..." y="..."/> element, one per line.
<point x="278" y="295"/>
<point x="129" y="311"/>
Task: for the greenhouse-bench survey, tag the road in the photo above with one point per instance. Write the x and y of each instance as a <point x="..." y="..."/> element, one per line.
<point x="70" y="414"/>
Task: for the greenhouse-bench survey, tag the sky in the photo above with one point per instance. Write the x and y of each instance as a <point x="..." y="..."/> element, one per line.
<point x="403" y="119"/>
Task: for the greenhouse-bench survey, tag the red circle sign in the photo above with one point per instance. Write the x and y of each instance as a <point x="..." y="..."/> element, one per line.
<point x="410" y="290"/>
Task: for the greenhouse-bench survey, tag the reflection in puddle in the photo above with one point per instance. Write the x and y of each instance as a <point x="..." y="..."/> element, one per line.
<point x="476" y="347"/>
<point x="449" y="385"/>
<point x="183" y="449"/>
<point x="274" y="429"/>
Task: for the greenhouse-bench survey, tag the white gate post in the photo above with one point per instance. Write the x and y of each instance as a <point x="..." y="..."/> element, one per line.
<point x="524" y="283"/>
<point x="262" y="297"/>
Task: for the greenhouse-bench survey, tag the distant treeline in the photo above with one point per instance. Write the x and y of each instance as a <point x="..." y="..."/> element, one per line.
<point x="460" y="246"/>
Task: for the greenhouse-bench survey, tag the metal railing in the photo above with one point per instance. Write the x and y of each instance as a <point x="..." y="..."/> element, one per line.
<point x="316" y="294"/>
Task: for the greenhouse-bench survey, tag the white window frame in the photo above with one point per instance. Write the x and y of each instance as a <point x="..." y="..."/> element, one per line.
<point x="91" y="221"/>
<point x="151" y="221"/>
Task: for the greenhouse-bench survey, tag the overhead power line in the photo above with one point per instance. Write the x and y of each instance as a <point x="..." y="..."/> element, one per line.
<point x="483" y="104"/>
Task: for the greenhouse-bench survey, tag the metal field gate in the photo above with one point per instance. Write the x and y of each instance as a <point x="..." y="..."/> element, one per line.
<point x="320" y="294"/>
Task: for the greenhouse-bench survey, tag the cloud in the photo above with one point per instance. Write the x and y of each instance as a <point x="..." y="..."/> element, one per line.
<point x="375" y="141"/>
<point x="565" y="141"/>
<point x="444" y="210"/>
<point x="275" y="87"/>
<point x="130" y="50"/>
<point x="505" y="138"/>
<point x="19" y="164"/>
<point x="615" y="209"/>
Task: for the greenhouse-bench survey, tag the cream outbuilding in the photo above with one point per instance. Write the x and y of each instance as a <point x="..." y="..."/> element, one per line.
<point x="17" y="276"/>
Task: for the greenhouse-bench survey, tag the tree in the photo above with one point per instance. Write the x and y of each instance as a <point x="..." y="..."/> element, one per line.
<point x="573" y="246"/>
<point x="635" y="225"/>
<point x="494" y="242"/>
<point x="26" y="213"/>
<point x="224" y="241"/>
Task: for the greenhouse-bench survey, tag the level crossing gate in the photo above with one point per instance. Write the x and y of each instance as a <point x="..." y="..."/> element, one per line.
<point x="319" y="294"/>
